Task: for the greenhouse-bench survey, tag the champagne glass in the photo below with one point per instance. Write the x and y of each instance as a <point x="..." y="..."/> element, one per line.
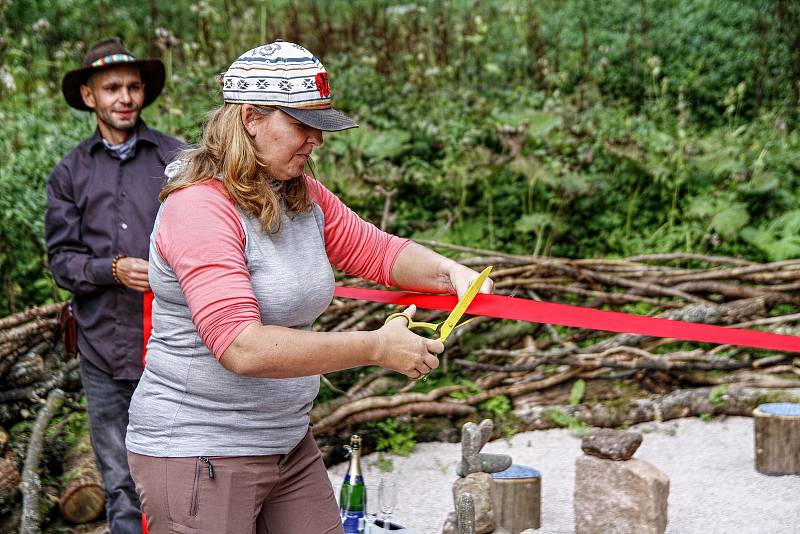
<point x="387" y="494"/>
<point x="371" y="505"/>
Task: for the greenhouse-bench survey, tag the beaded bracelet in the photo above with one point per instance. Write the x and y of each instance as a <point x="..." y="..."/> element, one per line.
<point x="114" y="268"/>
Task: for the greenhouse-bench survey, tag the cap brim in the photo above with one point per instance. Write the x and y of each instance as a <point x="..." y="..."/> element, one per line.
<point x="327" y="120"/>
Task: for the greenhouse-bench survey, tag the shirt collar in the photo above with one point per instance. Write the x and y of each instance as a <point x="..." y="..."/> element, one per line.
<point x="143" y="133"/>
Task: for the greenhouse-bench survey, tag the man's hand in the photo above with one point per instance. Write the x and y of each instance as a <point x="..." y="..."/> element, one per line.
<point x="132" y="272"/>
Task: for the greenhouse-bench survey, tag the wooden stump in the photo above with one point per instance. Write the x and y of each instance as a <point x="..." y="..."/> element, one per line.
<point x="517" y="498"/>
<point x="82" y="498"/>
<point x="777" y="436"/>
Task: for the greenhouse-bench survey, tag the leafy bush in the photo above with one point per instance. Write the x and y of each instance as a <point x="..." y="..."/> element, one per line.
<point x="496" y="406"/>
<point x="550" y="128"/>
<point x="396" y="437"/>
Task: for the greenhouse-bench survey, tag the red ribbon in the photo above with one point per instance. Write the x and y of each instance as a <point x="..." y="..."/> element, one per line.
<point x="147" y="327"/>
<point x="521" y="309"/>
<point x="147" y="321"/>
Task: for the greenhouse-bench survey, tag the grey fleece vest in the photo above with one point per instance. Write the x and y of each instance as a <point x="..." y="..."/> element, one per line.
<point x="187" y="403"/>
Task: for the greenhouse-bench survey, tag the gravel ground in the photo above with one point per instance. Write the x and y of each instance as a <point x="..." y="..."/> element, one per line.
<point x="714" y="487"/>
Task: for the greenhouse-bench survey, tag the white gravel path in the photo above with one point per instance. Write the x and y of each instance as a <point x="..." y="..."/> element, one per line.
<point x="714" y="487"/>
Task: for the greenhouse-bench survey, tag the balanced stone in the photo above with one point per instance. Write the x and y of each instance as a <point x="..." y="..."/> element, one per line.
<point x="611" y="444"/>
<point x="473" y="438"/>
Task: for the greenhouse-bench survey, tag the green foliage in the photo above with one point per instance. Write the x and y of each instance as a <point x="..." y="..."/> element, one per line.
<point x="561" y="419"/>
<point x="396" y="437"/>
<point x="717" y="394"/>
<point x="606" y="129"/>
<point x="577" y="392"/>
<point x="496" y="406"/>
<point x="778" y="238"/>
<point x="69" y="429"/>
<point x="471" y="390"/>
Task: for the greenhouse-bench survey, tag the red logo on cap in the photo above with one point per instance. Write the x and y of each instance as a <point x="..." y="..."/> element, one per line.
<point x="321" y="79"/>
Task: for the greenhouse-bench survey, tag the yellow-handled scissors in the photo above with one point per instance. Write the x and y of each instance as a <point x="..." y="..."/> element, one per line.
<point x="446" y="327"/>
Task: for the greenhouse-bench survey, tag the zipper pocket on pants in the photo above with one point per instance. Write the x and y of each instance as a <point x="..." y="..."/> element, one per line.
<point x="202" y="464"/>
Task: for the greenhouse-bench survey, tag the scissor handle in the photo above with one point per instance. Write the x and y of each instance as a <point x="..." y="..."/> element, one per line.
<point x="413" y="324"/>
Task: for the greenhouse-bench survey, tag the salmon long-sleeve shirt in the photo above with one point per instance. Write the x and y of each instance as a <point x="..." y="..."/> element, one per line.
<point x="213" y="272"/>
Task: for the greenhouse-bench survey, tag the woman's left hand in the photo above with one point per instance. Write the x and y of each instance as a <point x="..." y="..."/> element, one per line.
<point x="461" y="278"/>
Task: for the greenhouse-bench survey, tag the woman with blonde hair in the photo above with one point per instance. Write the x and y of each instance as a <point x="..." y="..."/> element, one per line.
<point x="240" y="265"/>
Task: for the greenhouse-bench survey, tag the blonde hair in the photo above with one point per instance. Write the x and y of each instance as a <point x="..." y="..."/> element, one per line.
<point x="226" y="151"/>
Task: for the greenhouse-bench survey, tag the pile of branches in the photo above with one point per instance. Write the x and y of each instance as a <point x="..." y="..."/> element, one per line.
<point x="40" y="390"/>
<point x="547" y="376"/>
<point x="536" y="366"/>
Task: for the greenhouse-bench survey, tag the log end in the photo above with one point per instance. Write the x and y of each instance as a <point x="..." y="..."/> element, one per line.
<point x="83" y="500"/>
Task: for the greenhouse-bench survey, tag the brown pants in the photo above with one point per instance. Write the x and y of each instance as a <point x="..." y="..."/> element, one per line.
<point x="279" y="494"/>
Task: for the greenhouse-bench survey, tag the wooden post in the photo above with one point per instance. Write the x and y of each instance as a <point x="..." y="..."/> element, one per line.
<point x="777" y="436"/>
<point x="517" y="498"/>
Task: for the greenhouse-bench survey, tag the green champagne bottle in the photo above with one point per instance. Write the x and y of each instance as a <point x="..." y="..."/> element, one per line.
<point x="353" y="493"/>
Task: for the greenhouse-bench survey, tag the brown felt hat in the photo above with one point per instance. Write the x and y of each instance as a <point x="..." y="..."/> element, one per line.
<point x="112" y="53"/>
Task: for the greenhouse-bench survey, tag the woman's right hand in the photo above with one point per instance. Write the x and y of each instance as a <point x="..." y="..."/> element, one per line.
<point x="403" y="351"/>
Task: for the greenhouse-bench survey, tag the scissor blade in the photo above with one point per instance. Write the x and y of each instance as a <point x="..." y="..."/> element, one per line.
<point x="463" y="303"/>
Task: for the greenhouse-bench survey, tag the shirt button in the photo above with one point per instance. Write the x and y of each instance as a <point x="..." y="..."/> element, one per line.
<point x="124" y="193"/>
<point x="123" y="226"/>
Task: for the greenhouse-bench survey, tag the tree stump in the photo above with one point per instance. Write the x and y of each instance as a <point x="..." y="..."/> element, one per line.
<point x="517" y="498"/>
<point x="777" y="436"/>
<point x="82" y="498"/>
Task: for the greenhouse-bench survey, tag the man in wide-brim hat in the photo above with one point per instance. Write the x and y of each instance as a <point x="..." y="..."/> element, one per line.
<point x="102" y="201"/>
<point x="103" y="56"/>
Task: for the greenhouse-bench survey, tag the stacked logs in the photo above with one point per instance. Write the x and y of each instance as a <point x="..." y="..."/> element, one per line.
<point x="545" y="371"/>
<point x="46" y="462"/>
<point x="25" y="338"/>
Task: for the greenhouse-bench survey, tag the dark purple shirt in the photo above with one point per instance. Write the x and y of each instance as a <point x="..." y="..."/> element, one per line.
<point x="99" y="207"/>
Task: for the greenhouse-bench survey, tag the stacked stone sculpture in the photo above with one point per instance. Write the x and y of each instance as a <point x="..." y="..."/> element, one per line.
<point x="615" y="493"/>
<point x="472" y="491"/>
<point x="473" y="438"/>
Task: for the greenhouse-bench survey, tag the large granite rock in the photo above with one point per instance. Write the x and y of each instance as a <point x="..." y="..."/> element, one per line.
<point x="611" y="444"/>
<point x="619" y="497"/>
<point x="480" y="486"/>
